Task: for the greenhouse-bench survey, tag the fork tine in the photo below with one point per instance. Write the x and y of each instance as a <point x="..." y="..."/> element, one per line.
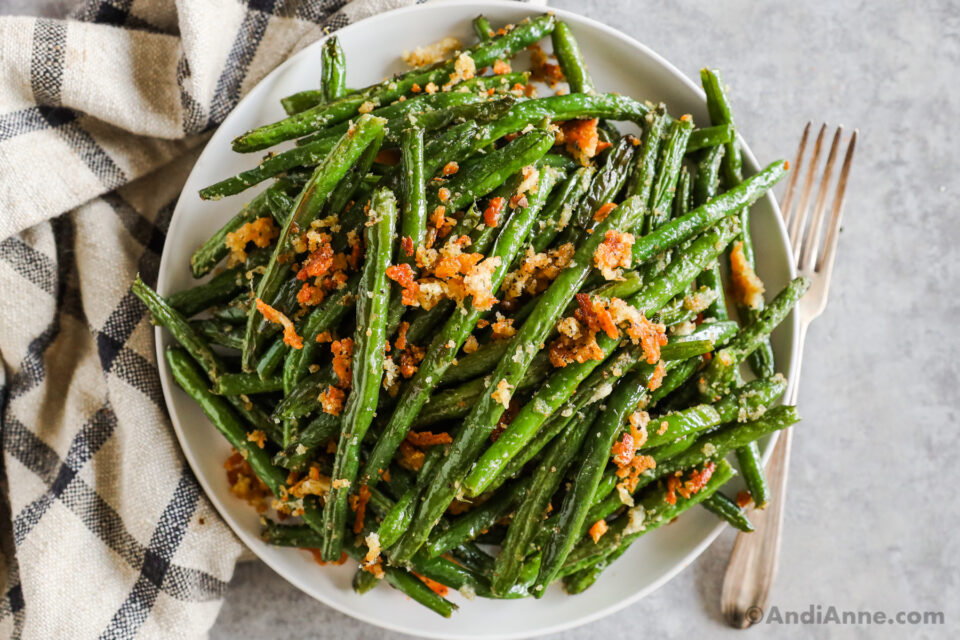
<point x="811" y="243"/>
<point x="792" y="180"/>
<point x="800" y="217"/>
<point x="830" y="248"/>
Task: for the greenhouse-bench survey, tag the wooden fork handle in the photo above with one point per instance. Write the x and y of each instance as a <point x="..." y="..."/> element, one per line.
<point x="753" y="561"/>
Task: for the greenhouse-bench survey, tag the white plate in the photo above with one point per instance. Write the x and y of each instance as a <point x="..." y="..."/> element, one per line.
<point x="373" y="46"/>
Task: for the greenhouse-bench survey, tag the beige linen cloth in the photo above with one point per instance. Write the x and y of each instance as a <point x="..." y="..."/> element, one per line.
<point x="104" y="531"/>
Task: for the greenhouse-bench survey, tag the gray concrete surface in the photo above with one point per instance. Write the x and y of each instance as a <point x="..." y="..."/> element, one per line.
<point x="872" y="516"/>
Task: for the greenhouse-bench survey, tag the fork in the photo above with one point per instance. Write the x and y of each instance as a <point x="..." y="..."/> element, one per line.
<point x="753" y="561"/>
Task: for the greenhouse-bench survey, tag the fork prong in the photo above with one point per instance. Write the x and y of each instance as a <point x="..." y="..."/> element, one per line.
<point x="800" y="218"/>
<point x="792" y="180"/>
<point x="811" y="242"/>
<point x="825" y="263"/>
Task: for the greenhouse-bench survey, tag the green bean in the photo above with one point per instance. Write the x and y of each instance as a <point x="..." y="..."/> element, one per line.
<point x="363" y="581"/>
<point x="215" y="249"/>
<point x="199" y="350"/>
<point x="234" y="384"/>
<point x="576" y="503"/>
<point x="545" y="480"/>
<point x="221" y="288"/>
<point x="373" y="299"/>
<point x="324" y="317"/>
<point x="312" y="150"/>
<point x="397" y="520"/>
<point x="484" y="414"/>
<point x="721" y="114"/>
<point x="482" y="28"/>
<point x="607" y="183"/>
<point x="482" y="517"/>
<point x="417" y="590"/>
<point x="762" y="360"/>
<point x="566" y="107"/>
<point x="271" y="358"/>
<point x="305" y="536"/>
<point x="333" y="70"/>
<point x="719" y="374"/>
<point x="343" y="194"/>
<point x="368" y="131"/>
<point x="571" y="60"/>
<point x="681" y="201"/>
<point x="235" y="311"/>
<point x="716" y="444"/>
<point x="705" y="188"/>
<point x="645" y="168"/>
<point x="675" y="377"/>
<point x="707" y="181"/>
<point x="750" y="462"/>
<point x="331" y="113"/>
<point x="653" y="511"/>
<point x="413" y="217"/>
<point x="715" y="136"/>
<point x="581" y="580"/>
<point x="684" y="308"/>
<point x="728" y="510"/>
<point x="284" y="302"/>
<point x="680" y="229"/>
<point x="302" y="399"/>
<point x="560" y="208"/>
<point x="432" y="111"/>
<point x="491" y="171"/>
<point x="665" y="182"/>
<point x="474" y="558"/>
<point x="192" y="380"/>
<point x="225" y="335"/>
<point x="280" y="206"/>
<point x="560" y="161"/>
<point x="297" y="455"/>
<point x="455" y="402"/>
<point x="447" y="342"/>
<point x="562" y="384"/>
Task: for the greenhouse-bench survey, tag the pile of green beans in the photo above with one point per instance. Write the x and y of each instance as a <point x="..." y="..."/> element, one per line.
<point x="490" y="465"/>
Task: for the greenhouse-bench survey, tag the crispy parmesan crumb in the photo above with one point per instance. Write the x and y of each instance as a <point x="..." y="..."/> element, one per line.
<point x="244" y="483"/>
<point x="342" y="351"/>
<point x="428" y="438"/>
<point x="410" y="457"/>
<point x="697" y="479"/>
<point x="422" y="56"/>
<point x="471" y="345"/>
<point x="614" y="252"/>
<point x="747" y="288"/>
<point x="464" y="68"/>
<point x="597" y="530"/>
<point x="331" y="400"/>
<point x="582" y="139"/>
<point x="502" y="394"/>
<point x="402" y="274"/>
<point x="491" y="215"/>
<point x="601" y="213"/>
<point x="439" y="589"/>
<point x="290" y="336"/>
<point x="261" y="232"/>
<point x="258" y="437"/>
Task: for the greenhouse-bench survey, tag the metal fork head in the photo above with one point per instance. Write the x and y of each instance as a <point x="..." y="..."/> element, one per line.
<point x="813" y="249"/>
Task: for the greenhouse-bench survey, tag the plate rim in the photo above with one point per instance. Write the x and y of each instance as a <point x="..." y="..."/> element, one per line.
<point x="251" y="540"/>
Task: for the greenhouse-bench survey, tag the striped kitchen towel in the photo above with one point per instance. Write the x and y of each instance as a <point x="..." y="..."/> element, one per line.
<point x="104" y="531"/>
